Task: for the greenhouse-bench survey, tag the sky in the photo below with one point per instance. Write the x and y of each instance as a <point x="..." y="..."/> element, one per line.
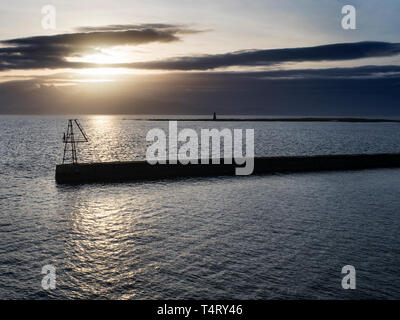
<point x="288" y="57"/>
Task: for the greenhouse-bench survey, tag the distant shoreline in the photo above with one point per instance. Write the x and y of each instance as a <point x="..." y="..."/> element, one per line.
<point x="305" y="119"/>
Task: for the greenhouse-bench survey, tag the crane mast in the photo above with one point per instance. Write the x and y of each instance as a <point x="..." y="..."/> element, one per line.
<point x="70" y="141"/>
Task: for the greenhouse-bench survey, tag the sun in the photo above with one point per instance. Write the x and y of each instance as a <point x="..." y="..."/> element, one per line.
<point x="108" y="62"/>
<point x="104" y="62"/>
<point x="101" y="58"/>
<point x="105" y="57"/>
<point x="112" y="55"/>
<point x="102" y="71"/>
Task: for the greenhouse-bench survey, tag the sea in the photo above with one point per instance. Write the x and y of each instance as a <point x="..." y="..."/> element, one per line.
<point x="279" y="236"/>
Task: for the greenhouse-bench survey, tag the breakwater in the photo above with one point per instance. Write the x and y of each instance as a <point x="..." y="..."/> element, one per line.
<point x="142" y="170"/>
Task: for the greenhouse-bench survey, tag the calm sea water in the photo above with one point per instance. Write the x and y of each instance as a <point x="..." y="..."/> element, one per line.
<point x="259" y="237"/>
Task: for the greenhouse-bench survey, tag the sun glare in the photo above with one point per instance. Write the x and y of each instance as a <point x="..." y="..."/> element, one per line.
<point x="103" y="56"/>
<point x="101" y="59"/>
<point x="103" y="71"/>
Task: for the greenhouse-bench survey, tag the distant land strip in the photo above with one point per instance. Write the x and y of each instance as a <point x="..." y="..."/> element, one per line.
<point x="307" y="119"/>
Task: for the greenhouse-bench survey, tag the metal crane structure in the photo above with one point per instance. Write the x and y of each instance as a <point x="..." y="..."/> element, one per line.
<point x="70" y="141"/>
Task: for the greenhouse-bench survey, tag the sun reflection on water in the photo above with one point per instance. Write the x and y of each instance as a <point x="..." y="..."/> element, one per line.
<point x="99" y="241"/>
<point x="111" y="139"/>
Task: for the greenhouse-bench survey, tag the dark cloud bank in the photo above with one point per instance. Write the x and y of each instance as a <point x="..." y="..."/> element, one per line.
<point x="50" y="51"/>
<point x="332" y="52"/>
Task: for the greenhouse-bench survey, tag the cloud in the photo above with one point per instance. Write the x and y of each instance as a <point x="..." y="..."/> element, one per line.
<point x="331" y="52"/>
<point x="387" y="71"/>
<point x="182" y="29"/>
<point x="119" y="27"/>
<point x="362" y="72"/>
<point x="50" y="51"/>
